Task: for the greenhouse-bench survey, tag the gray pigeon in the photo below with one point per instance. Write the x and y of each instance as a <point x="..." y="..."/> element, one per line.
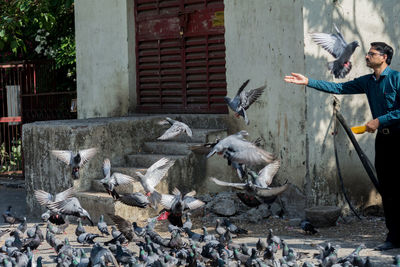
<point x="265" y="175"/>
<point x="236" y="148"/>
<point x="111" y="181"/>
<point x="76" y="161"/>
<point x="176" y="129"/>
<point x="102" y="226"/>
<point x="339" y="48"/>
<point x="243" y="99"/>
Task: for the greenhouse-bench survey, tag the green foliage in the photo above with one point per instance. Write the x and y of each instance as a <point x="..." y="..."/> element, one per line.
<point x="38" y="29"/>
<point x="11" y="161"/>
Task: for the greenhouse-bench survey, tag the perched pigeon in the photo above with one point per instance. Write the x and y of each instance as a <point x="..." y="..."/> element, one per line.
<point x="243" y="99"/>
<point x="76" y="161"/>
<point x="111" y="181"/>
<point x="71" y="206"/>
<point x="176" y="129"/>
<point x="339" y="48"/>
<point x="45" y="198"/>
<point x="153" y="176"/>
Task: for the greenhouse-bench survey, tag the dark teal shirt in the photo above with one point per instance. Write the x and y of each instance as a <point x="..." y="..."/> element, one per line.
<point x="383" y="94"/>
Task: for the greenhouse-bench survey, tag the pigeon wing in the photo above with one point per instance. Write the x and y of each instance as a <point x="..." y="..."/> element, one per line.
<point x="242" y="87"/>
<point x="167" y="200"/>
<point x="157" y="171"/>
<point x="248" y="98"/>
<point x="106" y="167"/>
<point x="239" y="186"/>
<point x="192" y="203"/>
<point x="121" y="179"/>
<point x="272" y="191"/>
<point x="268" y="172"/>
<point x="124" y="226"/>
<point x="65" y="194"/>
<point x="333" y="43"/>
<point x="173" y="131"/>
<point x="86" y="155"/>
<point x="63" y="155"/>
<point x="187" y="129"/>
<point x="44" y="198"/>
<point x="252" y="155"/>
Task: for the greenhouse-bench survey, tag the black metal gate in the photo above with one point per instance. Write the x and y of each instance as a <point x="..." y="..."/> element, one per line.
<point x="28" y="93"/>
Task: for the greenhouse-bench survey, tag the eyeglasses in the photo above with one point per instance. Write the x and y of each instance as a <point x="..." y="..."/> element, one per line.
<point x="371" y="54"/>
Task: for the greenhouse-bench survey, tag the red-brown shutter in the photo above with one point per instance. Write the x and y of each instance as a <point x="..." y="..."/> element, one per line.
<point x="180" y="56"/>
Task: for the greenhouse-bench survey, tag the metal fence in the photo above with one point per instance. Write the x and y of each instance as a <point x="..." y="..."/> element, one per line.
<point x="28" y="93"/>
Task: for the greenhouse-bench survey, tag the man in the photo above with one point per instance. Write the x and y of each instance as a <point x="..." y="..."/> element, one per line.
<point x="383" y="92"/>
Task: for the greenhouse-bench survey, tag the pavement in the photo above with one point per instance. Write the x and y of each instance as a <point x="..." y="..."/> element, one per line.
<point x="15" y="196"/>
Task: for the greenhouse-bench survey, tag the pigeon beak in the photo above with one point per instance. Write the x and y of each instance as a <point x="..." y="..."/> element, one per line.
<point x="212" y="152"/>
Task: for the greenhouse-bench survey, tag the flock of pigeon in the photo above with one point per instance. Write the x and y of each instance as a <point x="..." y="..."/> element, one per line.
<point x="195" y="249"/>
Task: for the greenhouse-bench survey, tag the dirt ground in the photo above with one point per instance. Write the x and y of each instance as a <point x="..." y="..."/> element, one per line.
<point x="348" y="234"/>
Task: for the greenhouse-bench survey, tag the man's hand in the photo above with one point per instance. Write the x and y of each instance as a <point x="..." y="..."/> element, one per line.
<point x="296" y="78"/>
<point x="372" y="125"/>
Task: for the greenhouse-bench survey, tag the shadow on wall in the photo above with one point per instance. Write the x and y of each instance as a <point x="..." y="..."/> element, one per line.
<point x="351" y="17"/>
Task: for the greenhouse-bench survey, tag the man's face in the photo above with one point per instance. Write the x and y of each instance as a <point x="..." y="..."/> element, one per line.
<point x="374" y="58"/>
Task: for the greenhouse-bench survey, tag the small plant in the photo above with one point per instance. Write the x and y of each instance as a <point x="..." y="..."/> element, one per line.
<point x="11" y="161"/>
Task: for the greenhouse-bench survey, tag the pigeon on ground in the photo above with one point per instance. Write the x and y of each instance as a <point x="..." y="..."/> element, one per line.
<point x="233" y="228"/>
<point x="153" y="176"/>
<point x="176" y="129"/>
<point x="111" y="181"/>
<point x="76" y="161"/>
<point x="71" y="206"/>
<point x="338" y="48"/>
<point x="10" y="218"/>
<point x="243" y="99"/>
<point x="87" y="238"/>
<point x="79" y="228"/>
<point x="124" y="226"/>
<point x="102" y="226"/>
<point x="308" y="227"/>
<point x="45" y="199"/>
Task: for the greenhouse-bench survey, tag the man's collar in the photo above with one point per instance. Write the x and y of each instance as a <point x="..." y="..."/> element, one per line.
<point x="385" y="72"/>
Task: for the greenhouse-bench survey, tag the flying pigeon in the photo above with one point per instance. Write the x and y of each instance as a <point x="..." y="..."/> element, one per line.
<point x="265" y="175"/>
<point x="243" y="99"/>
<point x="71" y="206"/>
<point x="111" y="181"/>
<point x="153" y="176"/>
<point x="176" y="129"/>
<point x="254" y="189"/>
<point x="236" y="148"/>
<point x="45" y="199"/>
<point x="339" y="49"/>
<point x="76" y="161"/>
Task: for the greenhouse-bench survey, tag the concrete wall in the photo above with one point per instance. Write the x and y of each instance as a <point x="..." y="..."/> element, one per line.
<point x="365" y="21"/>
<point x="105" y="56"/>
<point x="264" y="39"/>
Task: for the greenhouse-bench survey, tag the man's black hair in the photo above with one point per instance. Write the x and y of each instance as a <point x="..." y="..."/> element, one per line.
<point x="384" y="48"/>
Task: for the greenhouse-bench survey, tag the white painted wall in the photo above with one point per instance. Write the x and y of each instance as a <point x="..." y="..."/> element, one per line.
<point x="104" y="56"/>
<point x="264" y="40"/>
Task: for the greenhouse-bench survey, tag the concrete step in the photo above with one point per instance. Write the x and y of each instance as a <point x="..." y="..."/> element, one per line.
<point x="199" y="135"/>
<point x="168" y="147"/>
<point x="101" y="203"/>
<point x="146" y="160"/>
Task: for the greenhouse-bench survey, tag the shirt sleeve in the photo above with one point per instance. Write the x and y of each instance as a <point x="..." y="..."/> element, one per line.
<point x="350" y="87"/>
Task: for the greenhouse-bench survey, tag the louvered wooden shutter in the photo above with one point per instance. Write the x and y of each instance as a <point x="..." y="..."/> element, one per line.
<point x="180" y="56"/>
